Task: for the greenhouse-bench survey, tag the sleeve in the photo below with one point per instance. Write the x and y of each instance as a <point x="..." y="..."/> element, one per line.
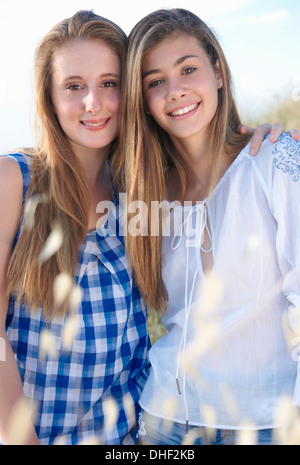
<point x="285" y="202"/>
<point x="286" y="206"/>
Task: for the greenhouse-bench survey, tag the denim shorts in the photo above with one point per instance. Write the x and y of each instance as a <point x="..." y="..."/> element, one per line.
<point x="158" y="431"/>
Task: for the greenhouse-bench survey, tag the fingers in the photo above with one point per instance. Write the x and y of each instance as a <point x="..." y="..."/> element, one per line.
<point x="294" y="133"/>
<point x="244" y="129"/>
<point x="258" y="136"/>
<point x="276" y="131"/>
<point x="261" y="131"/>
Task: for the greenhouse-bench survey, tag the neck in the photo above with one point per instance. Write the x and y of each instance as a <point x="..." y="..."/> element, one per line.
<point x="197" y="161"/>
<point x="94" y="163"/>
<point x="195" y="156"/>
<point x="96" y="172"/>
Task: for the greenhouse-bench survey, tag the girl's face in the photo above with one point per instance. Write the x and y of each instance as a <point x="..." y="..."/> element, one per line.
<point x="85" y="92"/>
<point x="180" y="86"/>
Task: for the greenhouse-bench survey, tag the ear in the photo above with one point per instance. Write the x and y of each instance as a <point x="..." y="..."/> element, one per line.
<point x="146" y="109"/>
<point x="218" y="74"/>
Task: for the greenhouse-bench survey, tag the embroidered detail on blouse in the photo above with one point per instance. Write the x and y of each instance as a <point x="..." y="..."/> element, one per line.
<point x="287" y="156"/>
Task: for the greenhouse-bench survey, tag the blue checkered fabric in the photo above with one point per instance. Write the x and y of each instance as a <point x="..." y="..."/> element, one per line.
<point x="108" y="359"/>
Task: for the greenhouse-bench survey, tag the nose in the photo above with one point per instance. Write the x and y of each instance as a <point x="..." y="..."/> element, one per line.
<point x="93" y="102"/>
<point x="175" y="90"/>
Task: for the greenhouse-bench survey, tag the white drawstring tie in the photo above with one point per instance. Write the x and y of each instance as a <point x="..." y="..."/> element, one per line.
<point x="201" y="210"/>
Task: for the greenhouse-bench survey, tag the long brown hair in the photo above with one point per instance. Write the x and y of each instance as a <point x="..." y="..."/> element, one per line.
<point x="148" y="151"/>
<point x="57" y="174"/>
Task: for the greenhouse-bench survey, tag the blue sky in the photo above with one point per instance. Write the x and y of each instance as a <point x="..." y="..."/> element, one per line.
<point x="260" y="38"/>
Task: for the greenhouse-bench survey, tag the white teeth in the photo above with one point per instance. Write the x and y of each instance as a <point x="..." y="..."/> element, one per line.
<point x="183" y="111"/>
<point x="93" y="125"/>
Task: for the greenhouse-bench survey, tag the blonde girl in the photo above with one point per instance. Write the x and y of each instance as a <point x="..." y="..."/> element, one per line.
<point x="227" y="272"/>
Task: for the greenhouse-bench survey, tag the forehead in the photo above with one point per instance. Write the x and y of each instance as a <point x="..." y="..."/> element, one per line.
<point x="85" y="55"/>
<point x="172" y="48"/>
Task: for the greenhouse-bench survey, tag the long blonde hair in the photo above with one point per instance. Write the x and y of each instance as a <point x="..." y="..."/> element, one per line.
<point x="57" y="174"/>
<point x="148" y="150"/>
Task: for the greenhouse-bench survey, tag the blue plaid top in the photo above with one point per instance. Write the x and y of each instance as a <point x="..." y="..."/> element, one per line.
<point x="108" y="358"/>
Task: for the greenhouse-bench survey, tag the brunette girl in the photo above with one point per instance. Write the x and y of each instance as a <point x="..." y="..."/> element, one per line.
<point x="81" y="360"/>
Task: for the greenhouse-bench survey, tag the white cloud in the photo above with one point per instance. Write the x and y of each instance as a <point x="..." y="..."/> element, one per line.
<point x="264" y="18"/>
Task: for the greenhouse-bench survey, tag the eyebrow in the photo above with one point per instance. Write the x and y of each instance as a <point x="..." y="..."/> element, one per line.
<point x="104" y="75"/>
<point x="177" y="63"/>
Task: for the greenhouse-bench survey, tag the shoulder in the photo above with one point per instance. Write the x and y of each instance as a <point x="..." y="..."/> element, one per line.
<point x="17" y="168"/>
<point x="11" y="198"/>
<point x="20" y="159"/>
<point x="281" y="157"/>
<point x="285" y="146"/>
<point x="10" y="172"/>
<point x="286" y="156"/>
<point x="14" y="178"/>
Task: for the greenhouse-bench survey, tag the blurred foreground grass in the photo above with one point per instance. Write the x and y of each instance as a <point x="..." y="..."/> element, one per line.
<point x="283" y="108"/>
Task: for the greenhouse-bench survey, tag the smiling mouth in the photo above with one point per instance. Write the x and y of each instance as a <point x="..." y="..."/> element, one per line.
<point x="94" y="125"/>
<point x="184" y="111"/>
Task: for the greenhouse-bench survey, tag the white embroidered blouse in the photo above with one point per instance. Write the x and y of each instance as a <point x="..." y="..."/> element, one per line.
<point x="225" y="361"/>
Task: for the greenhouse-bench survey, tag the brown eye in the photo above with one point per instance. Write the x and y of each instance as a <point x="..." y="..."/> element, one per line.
<point x="155" y="83"/>
<point x="73" y="87"/>
<point x="109" y="84"/>
<point x="189" y="70"/>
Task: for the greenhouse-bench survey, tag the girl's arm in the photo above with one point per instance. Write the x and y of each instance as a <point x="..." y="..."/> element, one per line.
<point x="261" y="131"/>
<point x="283" y="188"/>
<point x="11" y="392"/>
